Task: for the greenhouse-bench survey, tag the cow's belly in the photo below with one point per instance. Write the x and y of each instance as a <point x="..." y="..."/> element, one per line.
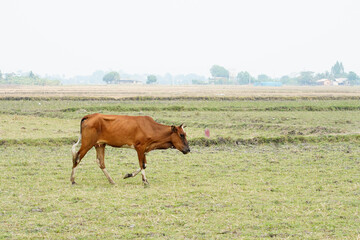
<point x="119" y="144"/>
<point x="117" y="135"/>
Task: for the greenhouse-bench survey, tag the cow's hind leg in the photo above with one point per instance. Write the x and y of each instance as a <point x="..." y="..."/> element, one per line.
<point x="77" y="158"/>
<point x="100" y="159"/>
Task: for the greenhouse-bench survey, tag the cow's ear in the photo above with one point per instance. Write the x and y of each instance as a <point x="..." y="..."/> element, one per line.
<point x="173" y="129"/>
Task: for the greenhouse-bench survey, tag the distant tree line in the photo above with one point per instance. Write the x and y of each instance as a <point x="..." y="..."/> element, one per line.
<point x="114" y="78"/>
<point x="220" y="75"/>
<point x="26" y="79"/>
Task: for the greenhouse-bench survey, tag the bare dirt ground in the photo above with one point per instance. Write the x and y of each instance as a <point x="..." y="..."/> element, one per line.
<point x="122" y="91"/>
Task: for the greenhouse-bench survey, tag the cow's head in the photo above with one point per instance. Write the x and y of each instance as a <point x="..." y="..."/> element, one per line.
<point x="178" y="139"/>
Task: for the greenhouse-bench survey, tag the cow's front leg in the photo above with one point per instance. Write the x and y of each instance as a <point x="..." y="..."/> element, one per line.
<point x="132" y="174"/>
<point x="142" y="163"/>
<point x="145" y="181"/>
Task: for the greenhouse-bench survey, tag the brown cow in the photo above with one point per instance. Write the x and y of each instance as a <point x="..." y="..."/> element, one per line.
<point x="139" y="132"/>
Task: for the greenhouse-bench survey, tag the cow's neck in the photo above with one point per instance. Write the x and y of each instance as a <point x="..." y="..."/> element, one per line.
<point x="162" y="140"/>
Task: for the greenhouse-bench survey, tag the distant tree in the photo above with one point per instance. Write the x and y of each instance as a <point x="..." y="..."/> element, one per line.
<point x="263" y="78"/>
<point x="151" y="79"/>
<point x="219" y="71"/>
<point x="96" y="77"/>
<point x="188" y="79"/>
<point x="353" y="78"/>
<point x="8" y="76"/>
<point x="306" y="78"/>
<point x="287" y="80"/>
<point x="327" y="74"/>
<point x="323" y="75"/>
<point x="244" y="78"/>
<point x="338" y="70"/>
<point x="111" y="77"/>
<point x="32" y="75"/>
<point x="1" y="75"/>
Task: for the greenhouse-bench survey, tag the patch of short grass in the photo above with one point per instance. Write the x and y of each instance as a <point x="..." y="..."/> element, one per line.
<point x="305" y="191"/>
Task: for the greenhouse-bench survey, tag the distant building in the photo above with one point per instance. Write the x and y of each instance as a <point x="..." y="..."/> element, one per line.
<point x="324" y="82"/>
<point x="341" y="81"/>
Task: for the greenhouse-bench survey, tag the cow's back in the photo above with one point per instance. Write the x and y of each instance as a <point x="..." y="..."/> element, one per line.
<point x="119" y="130"/>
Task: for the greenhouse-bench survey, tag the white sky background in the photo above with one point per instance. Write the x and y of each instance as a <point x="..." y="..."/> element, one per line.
<point x="274" y="37"/>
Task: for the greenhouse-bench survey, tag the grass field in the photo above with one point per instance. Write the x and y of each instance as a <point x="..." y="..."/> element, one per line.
<point x="281" y="165"/>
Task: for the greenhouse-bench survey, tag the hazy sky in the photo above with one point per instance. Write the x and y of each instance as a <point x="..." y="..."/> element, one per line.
<point x="275" y="37"/>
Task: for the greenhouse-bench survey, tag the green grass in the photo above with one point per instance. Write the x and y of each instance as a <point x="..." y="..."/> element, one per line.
<point x="25" y="119"/>
<point x="286" y="191"/>
<point x="49" y="106"/>
<point x="271" y="169"/>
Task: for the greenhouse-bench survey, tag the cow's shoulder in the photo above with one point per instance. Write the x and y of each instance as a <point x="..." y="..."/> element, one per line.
<point x="148" y="118"/>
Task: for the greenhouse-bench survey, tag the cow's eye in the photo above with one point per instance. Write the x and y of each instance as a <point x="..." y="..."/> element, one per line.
<point x="182" y="135"/>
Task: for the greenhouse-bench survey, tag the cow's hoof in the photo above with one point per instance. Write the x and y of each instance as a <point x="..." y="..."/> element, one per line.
<point x="146" y="183"/>
<point x="128" y="175"/>
<point x="73" y="183"/>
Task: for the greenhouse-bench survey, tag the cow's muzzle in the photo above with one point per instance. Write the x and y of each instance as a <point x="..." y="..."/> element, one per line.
<point x="186" y="150"/>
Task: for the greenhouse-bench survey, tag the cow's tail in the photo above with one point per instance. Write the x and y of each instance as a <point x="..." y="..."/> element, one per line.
<point x="73" y="149"/>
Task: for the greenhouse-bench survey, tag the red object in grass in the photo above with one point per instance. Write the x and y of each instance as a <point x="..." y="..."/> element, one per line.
<point x="207" y="132"/>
